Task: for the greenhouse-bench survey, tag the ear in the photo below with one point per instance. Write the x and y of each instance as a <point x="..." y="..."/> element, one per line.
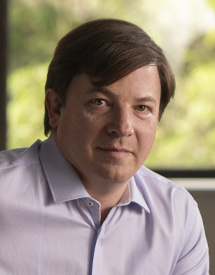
<point x="53" y="107"/>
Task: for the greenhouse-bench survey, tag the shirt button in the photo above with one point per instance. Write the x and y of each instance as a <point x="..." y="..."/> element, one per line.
<point x="90" y="203"/>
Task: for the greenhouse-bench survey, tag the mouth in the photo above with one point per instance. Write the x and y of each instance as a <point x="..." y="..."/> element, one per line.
<point x="115" y="152"/>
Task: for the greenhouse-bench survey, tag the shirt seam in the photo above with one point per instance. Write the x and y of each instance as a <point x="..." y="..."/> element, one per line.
<point x="166" y="181"/>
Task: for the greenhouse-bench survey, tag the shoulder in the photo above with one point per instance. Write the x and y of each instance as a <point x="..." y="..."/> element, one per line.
<point x="19" y="157"/>
<point x="153" y="183"/>
<point x="165" y="198"/>
<point x="175" y="213"/>
<point x="20" y="174"/>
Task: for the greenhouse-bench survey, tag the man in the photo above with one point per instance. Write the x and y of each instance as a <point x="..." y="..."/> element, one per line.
<point x="81" y="202"/>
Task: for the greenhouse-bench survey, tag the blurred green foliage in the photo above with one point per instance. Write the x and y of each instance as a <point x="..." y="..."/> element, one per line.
<point x="186" y="133"/>
<point x="212" y="3"/>
<point x="25" y="108"/>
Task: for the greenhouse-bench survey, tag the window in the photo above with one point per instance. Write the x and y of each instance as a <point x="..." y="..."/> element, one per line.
<point x="186" y="133"/>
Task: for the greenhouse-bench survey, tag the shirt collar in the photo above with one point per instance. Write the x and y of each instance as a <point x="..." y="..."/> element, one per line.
<point x="136" y="195"/>
<point x="62" y="178"/>
<point x="65" y="183"/>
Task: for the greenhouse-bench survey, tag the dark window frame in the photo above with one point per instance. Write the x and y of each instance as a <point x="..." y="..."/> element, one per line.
<point x="3" y="72"/>
<point x="186" y="173"/>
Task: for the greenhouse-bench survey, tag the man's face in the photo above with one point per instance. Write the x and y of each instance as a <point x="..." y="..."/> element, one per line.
<point x="106" y="133"/>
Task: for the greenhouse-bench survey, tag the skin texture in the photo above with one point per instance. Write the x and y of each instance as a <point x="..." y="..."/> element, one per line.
<point x="106" y="133"/>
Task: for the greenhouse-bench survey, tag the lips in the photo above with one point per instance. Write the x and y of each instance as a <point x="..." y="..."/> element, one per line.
<point x="115" y="151"/>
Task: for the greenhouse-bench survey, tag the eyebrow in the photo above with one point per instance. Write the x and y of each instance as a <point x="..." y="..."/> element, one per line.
<point x="107" y="91"/>
<point x="100" y="89"/>
<point x="148" y="99"/>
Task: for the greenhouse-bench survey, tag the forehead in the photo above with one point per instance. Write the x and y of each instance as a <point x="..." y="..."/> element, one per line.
<point x="143" y="80"/>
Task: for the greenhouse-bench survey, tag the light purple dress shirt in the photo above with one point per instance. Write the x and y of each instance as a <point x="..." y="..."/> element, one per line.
<point x="49" y="225"/>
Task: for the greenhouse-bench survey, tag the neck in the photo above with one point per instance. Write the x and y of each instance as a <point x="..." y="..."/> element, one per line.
<point x="107" y="197"/>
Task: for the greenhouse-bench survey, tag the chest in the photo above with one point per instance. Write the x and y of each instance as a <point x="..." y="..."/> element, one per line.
<point x="66" y="240"/>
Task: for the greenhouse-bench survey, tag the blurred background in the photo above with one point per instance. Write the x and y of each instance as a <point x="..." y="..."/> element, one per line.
<point x="185" y="145"/>
<point x="185" y="29"/>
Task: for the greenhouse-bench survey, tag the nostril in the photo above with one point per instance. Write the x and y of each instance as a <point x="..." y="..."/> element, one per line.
<point x="113" y="132"/>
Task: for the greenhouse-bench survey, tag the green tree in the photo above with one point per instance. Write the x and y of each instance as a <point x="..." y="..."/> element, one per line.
<point x="186" y="135"/>
<point x="26" y="108"/>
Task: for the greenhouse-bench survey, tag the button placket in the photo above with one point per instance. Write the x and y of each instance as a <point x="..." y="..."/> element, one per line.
<point x="98" y="252"/>
<point x="93" y="208"/>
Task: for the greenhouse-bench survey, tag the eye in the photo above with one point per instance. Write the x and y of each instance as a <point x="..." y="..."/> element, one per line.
<point x="98" y="101"/>
<point x="141" y="108"/>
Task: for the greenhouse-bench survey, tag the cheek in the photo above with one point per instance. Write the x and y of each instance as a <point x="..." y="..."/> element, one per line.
<point x="148" y="133"/>
<point x="65" y="130"/>
<point x="93" y="123"/>
<point x="79" y="128"/>
<point x="153" y="131"/>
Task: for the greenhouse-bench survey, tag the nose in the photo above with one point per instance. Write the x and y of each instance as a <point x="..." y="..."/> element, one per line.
<point x="120" y="124"/>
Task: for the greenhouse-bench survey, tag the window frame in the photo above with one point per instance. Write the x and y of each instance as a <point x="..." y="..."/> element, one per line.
<point x="3" y="72"/>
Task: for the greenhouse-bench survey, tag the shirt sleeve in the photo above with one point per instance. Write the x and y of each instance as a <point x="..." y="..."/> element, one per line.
<point x="194" y="257"/>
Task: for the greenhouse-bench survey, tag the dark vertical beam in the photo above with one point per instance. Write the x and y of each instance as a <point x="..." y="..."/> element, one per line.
<point x="3" y="70"/>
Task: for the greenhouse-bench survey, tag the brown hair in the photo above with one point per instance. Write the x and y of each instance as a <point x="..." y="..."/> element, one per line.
<point x="106" y="50"/>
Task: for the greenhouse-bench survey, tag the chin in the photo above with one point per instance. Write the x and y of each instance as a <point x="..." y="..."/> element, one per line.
<point x="116" y="176"/>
